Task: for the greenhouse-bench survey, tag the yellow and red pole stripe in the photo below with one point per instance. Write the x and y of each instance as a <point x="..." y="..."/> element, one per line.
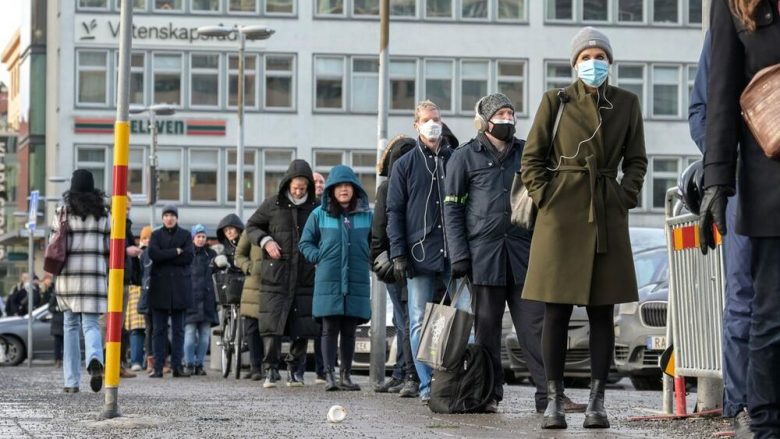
<point x="116" y="264"/>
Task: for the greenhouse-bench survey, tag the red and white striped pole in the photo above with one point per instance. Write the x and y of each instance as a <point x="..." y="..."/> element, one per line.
<point x="116" y="267"/>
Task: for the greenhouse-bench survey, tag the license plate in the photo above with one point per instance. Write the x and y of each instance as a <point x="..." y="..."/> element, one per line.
<point x="363" y="347"/>
<point x="656" y="342"/>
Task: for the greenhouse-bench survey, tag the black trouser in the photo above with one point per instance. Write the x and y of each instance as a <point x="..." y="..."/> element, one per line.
<point x="763" y="379"/>
<point x="332" y="326"/>
<point x="58" y="345"/>
<point x="149" y="334"/>
<point x="273" y="351"/>
<point x="488" y="304"/>
<point x="556" y="333"/>
<point x="160" y="317"/>
<point x="255" y="342"/>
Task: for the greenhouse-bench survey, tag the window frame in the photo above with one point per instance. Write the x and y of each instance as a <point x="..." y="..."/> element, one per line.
<point x="143" y="70"/>
<point x="353" y="75"/>
<point x="498" y="19"/>
<point x="278" y="74"/>
<point x="616" y="14"/>
<point x="663" y="175"/>
<point x="651" y="14"/>
<point x="580" y="14"/>
<point x="344" y="84"/>
<point x="643" y="101"/>
<point x="201" y="168"/>
<point x="183" y="171"/>
<point x="265" y="167"/>
<point x="264" y="10"/>
<point x="256" y="12"/>
<point x="203" y="71"/>
<point x="345" y="7"/>
<point x="523" y="80"/>
<point x="572" y="19"/>
<point x="489" y="16"/>
<point x="228" y="71"/>
<point x="454" y="14"/>
<point x="452" y="78"/>
<point x="390" y="79"/>
<point x="106" y="70"/>
<point x="143" y="167"/>
<point x="461" y="77"/>
<point x="547" y="79"/>
<point x="182" y="10"/>
<point x="136" y="9"/>
<point x="248" y="168"/>
<point x="678" y="83"/>
<point x="190" y="9"/>
<point x="183" y="86"/>
<point x="106" y="8"/>
<point x="89" y="165"/>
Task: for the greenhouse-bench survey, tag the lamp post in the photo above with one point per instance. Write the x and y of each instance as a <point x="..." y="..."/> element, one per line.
<point x="253" y="32"/>
<point x="154" y="110"/>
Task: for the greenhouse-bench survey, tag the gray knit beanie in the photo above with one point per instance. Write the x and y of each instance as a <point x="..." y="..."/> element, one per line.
<point x="492" y="103"/>
<point x="586" y="38"/>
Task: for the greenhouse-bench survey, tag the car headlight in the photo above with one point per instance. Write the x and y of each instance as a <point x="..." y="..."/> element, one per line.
<point x="628" y="308"/>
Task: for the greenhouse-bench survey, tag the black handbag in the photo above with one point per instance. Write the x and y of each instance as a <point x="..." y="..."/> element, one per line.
<point x="445" y="333"/>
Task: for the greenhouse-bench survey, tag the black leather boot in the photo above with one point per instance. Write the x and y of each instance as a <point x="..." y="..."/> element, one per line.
<point x="596" y="414"/>
<point x="555" y="414"/>
<point x="330" y="380"/>
<point x="345" y="383"/>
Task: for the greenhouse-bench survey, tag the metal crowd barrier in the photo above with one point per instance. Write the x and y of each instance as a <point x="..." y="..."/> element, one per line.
<point x="697" y="285"/>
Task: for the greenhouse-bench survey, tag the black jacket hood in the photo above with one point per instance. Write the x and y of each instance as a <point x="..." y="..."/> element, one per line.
<point x="229" y="220"/>
<point x="297" y="168"/>
<point x="397" y="147"/>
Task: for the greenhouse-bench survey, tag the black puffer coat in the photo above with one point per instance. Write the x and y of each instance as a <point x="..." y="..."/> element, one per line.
<point x="170" y="285"/>
<point x="287" y="284"/>
<point x="203" y="307"/>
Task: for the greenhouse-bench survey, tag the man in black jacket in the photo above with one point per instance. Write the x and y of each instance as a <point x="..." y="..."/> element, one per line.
<point x="171" y="252"/>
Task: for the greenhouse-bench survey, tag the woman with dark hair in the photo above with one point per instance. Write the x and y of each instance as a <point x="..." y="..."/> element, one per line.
<point x="82" y="285"/>
<point x="335" y="239"/>
<point x="745" y="36"/>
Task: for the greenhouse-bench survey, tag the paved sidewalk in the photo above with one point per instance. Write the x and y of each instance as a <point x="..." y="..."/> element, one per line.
<point x="33" y="405"/>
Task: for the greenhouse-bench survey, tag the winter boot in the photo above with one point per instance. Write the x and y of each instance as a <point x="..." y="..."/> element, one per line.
<point x="554" y="415"/>
<point x="330" y="380"/>
<point x="345" y="383"/>
<point x="596" y="414"/>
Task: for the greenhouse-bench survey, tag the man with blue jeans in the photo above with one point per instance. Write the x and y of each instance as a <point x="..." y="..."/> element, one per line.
<point x="737" y="310"/>
<point x="415" y="224"/>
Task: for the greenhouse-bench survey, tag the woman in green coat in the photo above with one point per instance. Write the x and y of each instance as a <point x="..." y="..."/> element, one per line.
<point x="581" y="251"/>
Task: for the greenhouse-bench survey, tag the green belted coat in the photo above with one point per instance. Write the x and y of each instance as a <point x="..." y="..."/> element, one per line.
<point x="581" y="250"/>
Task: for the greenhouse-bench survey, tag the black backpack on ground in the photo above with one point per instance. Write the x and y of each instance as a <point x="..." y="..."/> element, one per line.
<point x="466" y="389"/>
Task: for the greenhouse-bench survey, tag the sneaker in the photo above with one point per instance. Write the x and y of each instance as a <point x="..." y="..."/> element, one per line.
<point x="491" y="407"/>
<point x="293" y="380"/>
<point x="136" y="368"/>
<point x="411" y="389"/>
<point x="394" y="385"/>
<point x="95" y="370"/>
<point x="270" y="380"/>
<point x="741" y="425"/>
<point x="320" y="379"/>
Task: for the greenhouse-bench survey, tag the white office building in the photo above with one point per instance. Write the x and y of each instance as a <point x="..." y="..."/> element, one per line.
<point x="311" y="90"/>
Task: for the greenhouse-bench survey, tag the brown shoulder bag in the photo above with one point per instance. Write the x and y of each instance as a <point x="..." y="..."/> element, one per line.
<point x="760" y="102"/>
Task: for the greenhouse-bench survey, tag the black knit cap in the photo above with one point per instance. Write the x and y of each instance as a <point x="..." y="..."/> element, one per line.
<point x="82" y="181"/>
<point x="170" y="209"/>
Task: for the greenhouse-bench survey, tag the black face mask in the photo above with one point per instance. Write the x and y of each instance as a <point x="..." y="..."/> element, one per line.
<point x="503" y="131"/>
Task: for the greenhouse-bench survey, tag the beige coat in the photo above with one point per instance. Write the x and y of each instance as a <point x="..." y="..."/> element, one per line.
<point x="249" y="259"/>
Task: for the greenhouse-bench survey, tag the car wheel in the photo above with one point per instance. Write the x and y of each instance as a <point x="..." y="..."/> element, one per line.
<point x="647" y="382"/>
<point x="15" y="351"/>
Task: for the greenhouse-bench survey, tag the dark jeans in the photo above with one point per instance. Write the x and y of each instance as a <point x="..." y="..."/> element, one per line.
<point x="255" y="343"/>
<point x="160" y="317"/>
<point x="149" y="334"/>
<point x="273" y="350"/>
<point x="763" y="379"/>
<point x="332" y="327"/>
<point x="736" y="315"/>
<point x="404" y="361"/>
<point x="319" y="367"/>
<point x="488" y="303"/>
<point x="58" y="344"/>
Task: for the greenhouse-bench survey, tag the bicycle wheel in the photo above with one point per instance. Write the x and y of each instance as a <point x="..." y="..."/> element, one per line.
<point x="238" y="342"/>
<point x="226" y="343"/>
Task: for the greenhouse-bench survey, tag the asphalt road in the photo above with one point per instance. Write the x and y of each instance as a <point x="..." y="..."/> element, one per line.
<point x="32" y="404"/>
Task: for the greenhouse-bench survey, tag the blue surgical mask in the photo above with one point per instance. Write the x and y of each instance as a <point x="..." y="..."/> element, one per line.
<point x="593" y="72"/>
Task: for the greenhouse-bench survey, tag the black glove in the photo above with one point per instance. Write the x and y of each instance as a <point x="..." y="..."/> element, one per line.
<point x="384" y="269"/>
<point x="399" y="269"/>
<point x="713" y="210"/>
<point x="461" y="268"/>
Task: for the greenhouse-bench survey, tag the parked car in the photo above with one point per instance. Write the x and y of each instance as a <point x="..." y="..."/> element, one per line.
<point x="640" y="327"/>
<point x="362" y="359"/>
<point x="13" y="337"/>
<point x="577" y="368"/>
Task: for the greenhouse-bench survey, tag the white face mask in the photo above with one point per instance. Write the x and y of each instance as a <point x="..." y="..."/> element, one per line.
<point x="430" y="130"/>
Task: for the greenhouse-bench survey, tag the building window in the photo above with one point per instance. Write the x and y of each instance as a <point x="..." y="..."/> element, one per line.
<point x="169" y="5"/>
<point x="403" y="8"/>
<point x="275" y="164"/>
<point x="474" y="9"/>
<point x="473" y="83"/>
<point x="560" y="10"/>
<point x="631" y="11"/>
<point x="324" y="161"/>
<point x="365" y="84"/>
<point x="511" y="10"/>
<point x="365" y="7"/>
<point x="438" y="8"/>
<point x="138" y="5"/>
<point x="694" y="12"/>
<point x="95" y="160"/>
<point x="665" y="171"/>
<point x="364" y="165"/>
<point x="250" y="80"/>
<point x="135" y="171"/>
<point x="93" y="4"/>
<point x="279" y="77"/>
<point x="205" y="6"/>
<point x="511" y="82"/>
<point x="595" y="10"/>
<point x="169" y="173"/>
<point x="665" y="11"/>
<point x="279" y="7"/>
<point x="403" y="79"/>
<point x="204" y="80"/>
<point x="203" y="175"/>
<point x="243" y="6"/>
<point x="558" y="74"/>
<point x="438" y="83"/>
<point x="329" y="82"/>
<point x="330" y="7"/>
<point x="137" y="74"/>
<point x="631" y="77"/>
<point x="167" y="79"/>
<point x="92" y="77"/>
<point x="666" y="91"/>
<point x="249" y="176"/>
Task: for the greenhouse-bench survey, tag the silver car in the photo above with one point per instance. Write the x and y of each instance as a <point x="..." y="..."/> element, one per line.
<point x="13" y="337"/>
<point x="362" y="359"/>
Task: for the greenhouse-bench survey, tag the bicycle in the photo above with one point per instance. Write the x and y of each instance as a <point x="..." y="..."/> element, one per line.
<point x="228" y="285"/>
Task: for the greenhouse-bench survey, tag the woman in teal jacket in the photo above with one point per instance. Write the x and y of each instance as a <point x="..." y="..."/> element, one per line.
<point x="336" y="238"/>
